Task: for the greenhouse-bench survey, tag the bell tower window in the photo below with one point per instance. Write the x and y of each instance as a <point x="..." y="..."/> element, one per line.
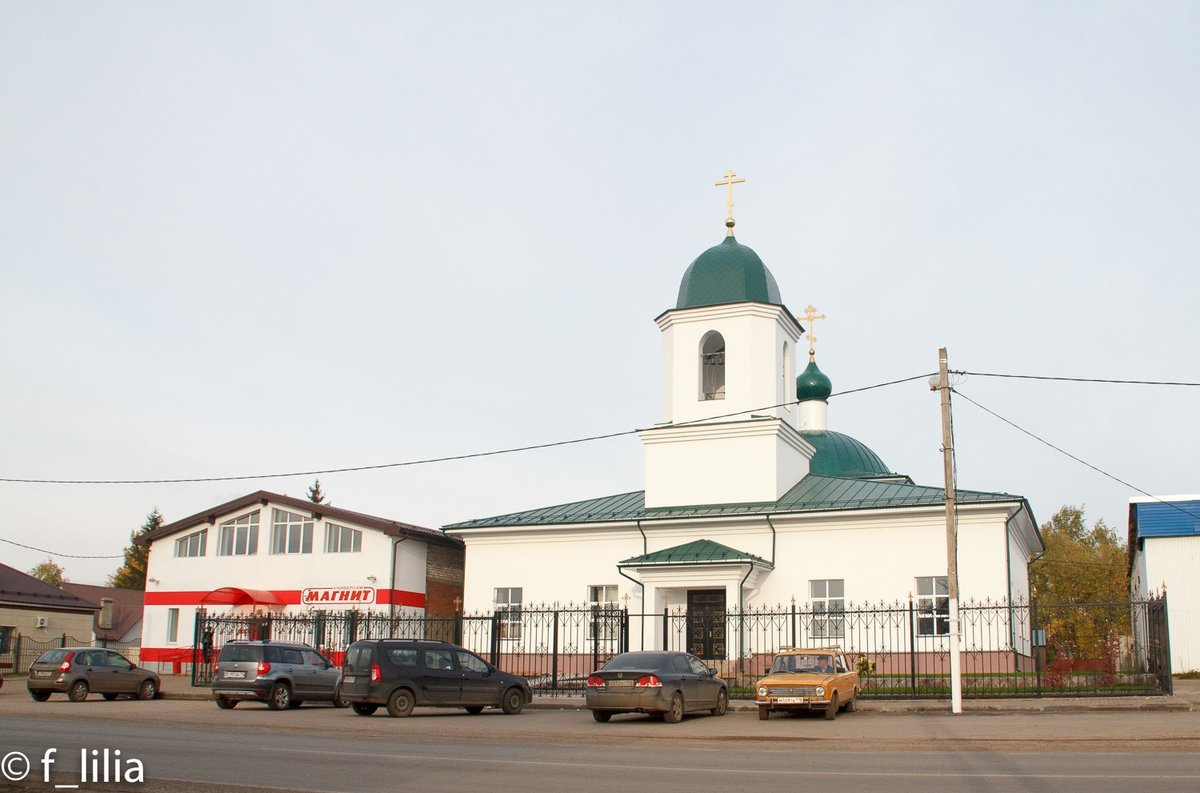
<point x="712" y="366"/>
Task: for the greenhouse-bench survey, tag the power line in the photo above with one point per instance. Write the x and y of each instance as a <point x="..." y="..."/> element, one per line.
<point x="1100" y="471"/>
<point x="427" y="461"/>
<point x="67" y="555"/>
<point x="1080" y="379"/>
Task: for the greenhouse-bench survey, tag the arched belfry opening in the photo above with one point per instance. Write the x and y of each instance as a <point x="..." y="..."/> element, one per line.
<point x="712" y="366"/>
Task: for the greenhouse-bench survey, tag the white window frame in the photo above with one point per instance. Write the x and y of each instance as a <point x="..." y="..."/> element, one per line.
<point x="239" y="537"/>
<point x="933" y="605"/>
<point x="342" y="539"/>
<point x="192" y="545"/>
<point x="603" y="598"/>
<point x="172" y="626"/>
<point x="291" y="532"/>
<point x="828" y="596"/>
<point x="507" y="603"/>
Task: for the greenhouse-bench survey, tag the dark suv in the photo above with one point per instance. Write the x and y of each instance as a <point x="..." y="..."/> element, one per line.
<point x="402" y="673"/>
<point x="280" y="674"/>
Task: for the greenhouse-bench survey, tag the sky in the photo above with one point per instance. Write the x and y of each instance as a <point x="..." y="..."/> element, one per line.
<point x="240" y="239"/>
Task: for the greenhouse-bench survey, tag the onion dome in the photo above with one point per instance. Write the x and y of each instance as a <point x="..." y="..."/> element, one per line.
<point x="727" y="273"/>
<point x="813" y="384"/>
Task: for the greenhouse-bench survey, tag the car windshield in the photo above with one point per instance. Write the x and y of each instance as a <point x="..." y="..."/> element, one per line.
<point x="636" y="661"/>
<point x="803" y="663"/>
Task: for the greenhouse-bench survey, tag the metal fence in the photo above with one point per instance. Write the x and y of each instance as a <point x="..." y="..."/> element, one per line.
<point x="20" y="650"/>
<point x="900" y="649"/>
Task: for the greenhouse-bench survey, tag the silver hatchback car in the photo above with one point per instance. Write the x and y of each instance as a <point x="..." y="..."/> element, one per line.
<point x="280" y="674"/>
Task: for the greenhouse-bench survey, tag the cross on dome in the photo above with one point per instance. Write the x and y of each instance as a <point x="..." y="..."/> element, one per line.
<point x="729" y="181"/>
<point x="812" y="316"/>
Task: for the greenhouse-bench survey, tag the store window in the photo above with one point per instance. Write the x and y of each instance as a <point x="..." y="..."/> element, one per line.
<point x="193" y="544"/>
<point x="342" y="539"/>
<point x="291" y="532"/>
<point x="239" y="537"/>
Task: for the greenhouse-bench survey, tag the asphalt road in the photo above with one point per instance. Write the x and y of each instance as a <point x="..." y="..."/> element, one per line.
<point x="193" y="746"/>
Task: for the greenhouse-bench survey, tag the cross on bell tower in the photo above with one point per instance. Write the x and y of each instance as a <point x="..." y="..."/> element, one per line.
<point x="729" y="181"/>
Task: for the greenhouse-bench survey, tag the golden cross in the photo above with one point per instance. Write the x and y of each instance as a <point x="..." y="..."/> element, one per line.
<point x="729" y="182"/>
<point x="812" y="316"/>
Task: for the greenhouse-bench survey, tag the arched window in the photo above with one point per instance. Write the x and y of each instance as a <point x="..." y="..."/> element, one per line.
<point x="786" y="374"/>
<point x="712" y="366"/>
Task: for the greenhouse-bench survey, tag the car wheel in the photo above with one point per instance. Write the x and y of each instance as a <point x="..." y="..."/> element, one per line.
<point x="338" y="700"/>
<point x="722" y="703"/>
<point x="147" y="690"/>
<point x="675" y="714"/>
<point x="601" y="715"/>
<point x="226" y="704"/>
<point x="78" y="691"/>
<point x="364" y="708"/>
<point x="400" y="703"/>
<point x="852" y="705"/>
<point x="831" y="711"/>
<point x="40" y="696"/>
<point x="512" y="701"/>
<point x="474" y="710"/>
<point x="764" y="714"/>
<point x="280" y="697"/>
<point x="109" y="697"/>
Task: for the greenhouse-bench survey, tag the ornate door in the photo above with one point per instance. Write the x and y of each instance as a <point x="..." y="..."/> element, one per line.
<point x="706" y="623"/>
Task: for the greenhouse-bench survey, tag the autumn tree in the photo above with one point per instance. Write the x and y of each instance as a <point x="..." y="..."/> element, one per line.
<point x="315" y="494"/>
<point x="1082" y="586"/>
<point x="132" y="572"/>
<point x="50" y="572"/>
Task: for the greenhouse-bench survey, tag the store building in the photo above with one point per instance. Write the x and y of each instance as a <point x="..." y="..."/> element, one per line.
<point x="273" y="554"/>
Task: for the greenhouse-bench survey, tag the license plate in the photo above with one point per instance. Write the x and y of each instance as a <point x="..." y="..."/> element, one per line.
<point x="235" y="674"/>
<point x="620" y="683"/>
<point x="789" y="700"/>
<point x="350" y="678"/>
<point x="42" y="674"/>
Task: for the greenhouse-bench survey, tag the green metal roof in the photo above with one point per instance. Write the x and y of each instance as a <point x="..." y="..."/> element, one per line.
<point x="813" y="493"/>
<point x="727" y="273"/>
<point x="693" y="553"/>
<point x="840" y="455"/>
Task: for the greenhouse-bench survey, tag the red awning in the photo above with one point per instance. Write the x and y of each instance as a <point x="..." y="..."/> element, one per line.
<point x="234" y="596"/>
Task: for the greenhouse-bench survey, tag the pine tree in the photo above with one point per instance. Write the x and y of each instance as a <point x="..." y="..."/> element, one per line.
<point x="50" y="572"/>
<point x="132" y="572"/>
<point x="315" y="494"/>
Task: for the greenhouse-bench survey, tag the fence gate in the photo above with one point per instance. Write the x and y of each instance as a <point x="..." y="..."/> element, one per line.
<point x="1158" y="649"/>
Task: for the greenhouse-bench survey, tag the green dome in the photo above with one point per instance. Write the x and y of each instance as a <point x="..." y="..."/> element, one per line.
<point x="841" y="455"/>
<point x="813" y="384"/>
<point x="727" y="273"/>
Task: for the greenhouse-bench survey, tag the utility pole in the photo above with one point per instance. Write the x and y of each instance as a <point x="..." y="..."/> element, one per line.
<point x="943" y="385"/>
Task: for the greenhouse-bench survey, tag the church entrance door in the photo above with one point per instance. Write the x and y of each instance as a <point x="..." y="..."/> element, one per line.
<point x="706" y="623"/>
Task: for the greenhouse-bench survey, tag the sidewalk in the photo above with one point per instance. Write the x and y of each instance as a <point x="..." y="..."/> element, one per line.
<point x="1185" y="698"/>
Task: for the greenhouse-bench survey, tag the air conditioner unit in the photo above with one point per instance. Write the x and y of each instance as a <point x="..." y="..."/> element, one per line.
<point x="40" y="622"/>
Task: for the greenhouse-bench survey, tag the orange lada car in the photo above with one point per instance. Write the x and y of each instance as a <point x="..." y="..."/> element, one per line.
<point x="811" y="679"/>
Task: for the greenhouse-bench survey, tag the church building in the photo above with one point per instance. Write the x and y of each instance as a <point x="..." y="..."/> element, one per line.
<point x="751" y="499"/>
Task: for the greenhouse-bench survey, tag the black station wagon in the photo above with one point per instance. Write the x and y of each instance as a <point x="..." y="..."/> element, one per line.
<point x="401" y="674"/>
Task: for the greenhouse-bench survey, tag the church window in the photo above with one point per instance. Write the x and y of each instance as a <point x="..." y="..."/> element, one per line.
<point x="712" y="366"/>
<point x="291" y="532"/>
<point x="602" y="601"/>
<point x="239" y="537"/>
<point x="933" y="606"/>
<point x="828" y="600"/>
<point x="507" y="603"/>
<point x="785" y="373"/>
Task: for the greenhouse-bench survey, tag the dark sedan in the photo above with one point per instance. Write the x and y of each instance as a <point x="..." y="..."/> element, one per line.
<point x="79" y="671"/>
<point x="667" y="683"/>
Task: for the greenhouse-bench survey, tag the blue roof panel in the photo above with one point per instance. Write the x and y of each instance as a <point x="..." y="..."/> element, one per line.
<point x="1168" y="519"/>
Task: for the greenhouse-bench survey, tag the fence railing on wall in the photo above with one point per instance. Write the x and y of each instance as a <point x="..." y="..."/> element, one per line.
<point x="900" y="649"/>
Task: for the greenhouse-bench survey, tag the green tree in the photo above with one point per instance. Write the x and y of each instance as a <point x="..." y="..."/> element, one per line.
<point x="315" y="494"/>
<point x="1082" y="586"/>
<point x="50" y="572"/>
<point x="132" y="572"/>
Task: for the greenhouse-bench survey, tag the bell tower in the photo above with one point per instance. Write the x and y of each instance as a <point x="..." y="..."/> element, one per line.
<point x="729" y="431"/>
